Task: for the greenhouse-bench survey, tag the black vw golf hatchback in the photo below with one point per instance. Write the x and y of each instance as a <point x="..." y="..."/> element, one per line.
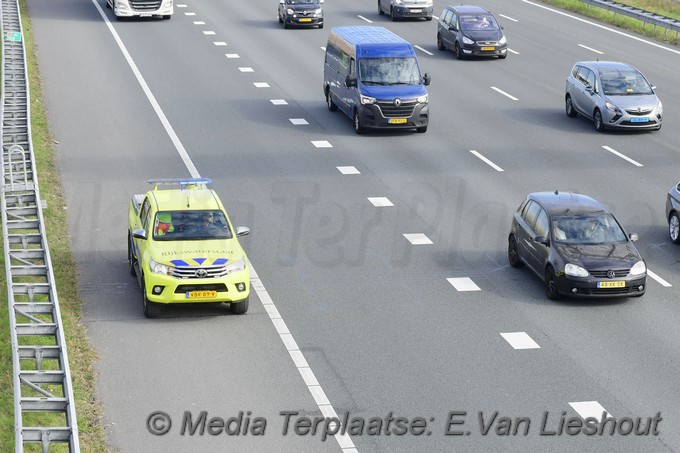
<point x="576" y="246"/>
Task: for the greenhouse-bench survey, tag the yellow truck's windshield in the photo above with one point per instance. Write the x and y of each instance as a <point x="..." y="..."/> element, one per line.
<point x="188" y="225"/>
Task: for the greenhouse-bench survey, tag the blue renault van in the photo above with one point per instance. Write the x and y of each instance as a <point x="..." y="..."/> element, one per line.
<point x="373" y="76"/>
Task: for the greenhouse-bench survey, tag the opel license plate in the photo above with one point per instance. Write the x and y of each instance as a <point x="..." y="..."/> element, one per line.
<point x="397" y="120"/>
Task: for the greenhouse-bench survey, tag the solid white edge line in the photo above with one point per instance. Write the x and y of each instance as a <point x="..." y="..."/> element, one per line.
<point x="152" y="100"/>
<point x="658" y="279"/>
<point x="603" y="27"/>
<point x="591" y="49"/>
<point x="505" y="94"/>
<point x="624" y="157"/>
<point x="363" y="18"/>
<point x="284" y="334"/>
<point x="487" y="161"/>
<point x="513" y="51"/>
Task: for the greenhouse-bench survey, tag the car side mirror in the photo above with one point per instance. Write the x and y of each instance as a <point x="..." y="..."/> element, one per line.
<point x="541" y="240"/>
<point x="242" y="231"/>
<point x="633" y="236"/>
<point x="139" y="234"/>
<point x="350" y="81"/>
<point x="320" y="1"/>
<point x="282" y="1"/>
<point x="426" y="79"/>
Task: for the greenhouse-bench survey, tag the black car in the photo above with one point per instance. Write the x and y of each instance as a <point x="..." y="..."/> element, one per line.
<point x="470" y="31"/>
<point x="576" y="246"/>
<point x="673" y="213"/>
<point x="301" y="13"/>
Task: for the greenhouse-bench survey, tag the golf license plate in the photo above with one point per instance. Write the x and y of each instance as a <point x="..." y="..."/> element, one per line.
<point x="486" y="48"/>
<point x="639" y="120"/>
<point x="201" y="294"/>
<point x="416" y="11"/>
<point x="305" y="19"/>
<point x="397" y="120"/>
<point x="611" y="284"/>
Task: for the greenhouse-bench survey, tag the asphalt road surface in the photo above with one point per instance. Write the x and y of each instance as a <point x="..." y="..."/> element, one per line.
<point x="383" y="287"/>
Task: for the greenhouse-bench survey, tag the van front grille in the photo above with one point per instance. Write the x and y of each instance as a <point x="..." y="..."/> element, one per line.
<point x="390" y="110"/>
<point x="145" y="5"/>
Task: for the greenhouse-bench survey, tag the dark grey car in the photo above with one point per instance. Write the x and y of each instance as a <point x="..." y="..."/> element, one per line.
<point x="471" y="31"/>
<point x="301" y="13"/>
<point x="673" y="213"/>
<point x="614" y="95"/>
<point x="576" y="246"/>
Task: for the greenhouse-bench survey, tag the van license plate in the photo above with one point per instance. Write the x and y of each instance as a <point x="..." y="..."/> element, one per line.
<point x="201" y="294"/>
<point x="416" y="11"/>
<point x="305" y="19"/>
<point x="485" y="48"/>
<point x="611" y="284"/>
<point x="397" y="120"/>
<point x="639" y="120"/>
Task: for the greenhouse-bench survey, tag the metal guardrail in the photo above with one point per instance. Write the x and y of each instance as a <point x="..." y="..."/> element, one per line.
<point x="44" y="409"/>
<point x="636" y="13"/>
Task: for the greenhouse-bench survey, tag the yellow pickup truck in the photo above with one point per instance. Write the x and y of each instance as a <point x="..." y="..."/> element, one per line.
<point x="183" y="248"/>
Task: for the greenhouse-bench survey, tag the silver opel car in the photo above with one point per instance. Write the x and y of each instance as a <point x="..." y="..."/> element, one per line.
<point x="614" y="95"/>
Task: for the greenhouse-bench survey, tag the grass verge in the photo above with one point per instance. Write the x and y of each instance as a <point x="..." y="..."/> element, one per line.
<point x="668" y="8"/>
<point x="81" y="355"/>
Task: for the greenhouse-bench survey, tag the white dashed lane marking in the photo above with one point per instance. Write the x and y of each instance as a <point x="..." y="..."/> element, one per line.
<point x="232" y="55"/>
<point x="589" y="409"/>
<point x="485" y="160"/>
<point x="364" y="19"/>
<point x="520" y="340"/>
<point x="508" y="17"/>
<point x="463" y="284"/>
<point x="349" y="170"/>
<point x="189" y="14"/>
<point x="616" y="153"/>
<point x="591" y="49"/>
<point x="199" y="22"/>
<point x="321" y="144"/>
<point x="417" y="238"/>
<point x="423" y="50"/>
<point x="208" y="32"/>
<point x="278" y="101"/>
<point x="220" y="43"/>
<point x="380" y="202"/>
<point x="298" y="121"/>
<point x="513" y="51"/>
<point x="505" y="94"/>
<point x="246" y="69"/>
<point x="261" y="84"/>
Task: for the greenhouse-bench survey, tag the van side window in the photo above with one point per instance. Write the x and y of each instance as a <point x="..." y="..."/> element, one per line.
<point x="331" y="53"/>
<point x="352" y="68"/>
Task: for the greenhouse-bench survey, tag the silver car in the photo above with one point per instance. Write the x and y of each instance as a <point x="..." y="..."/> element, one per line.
<point x="614" y="95"/>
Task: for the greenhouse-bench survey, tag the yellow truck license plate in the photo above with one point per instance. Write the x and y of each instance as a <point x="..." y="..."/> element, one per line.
<point x="305" y="19"/>
<point x="485" y="48"/>
<point x="611" y="284"/>
<point x="397" y="120"/>
<point x="201" y="294"/>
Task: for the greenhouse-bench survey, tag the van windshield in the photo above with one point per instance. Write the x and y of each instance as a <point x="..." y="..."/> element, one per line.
<point x="389" y="71"/>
